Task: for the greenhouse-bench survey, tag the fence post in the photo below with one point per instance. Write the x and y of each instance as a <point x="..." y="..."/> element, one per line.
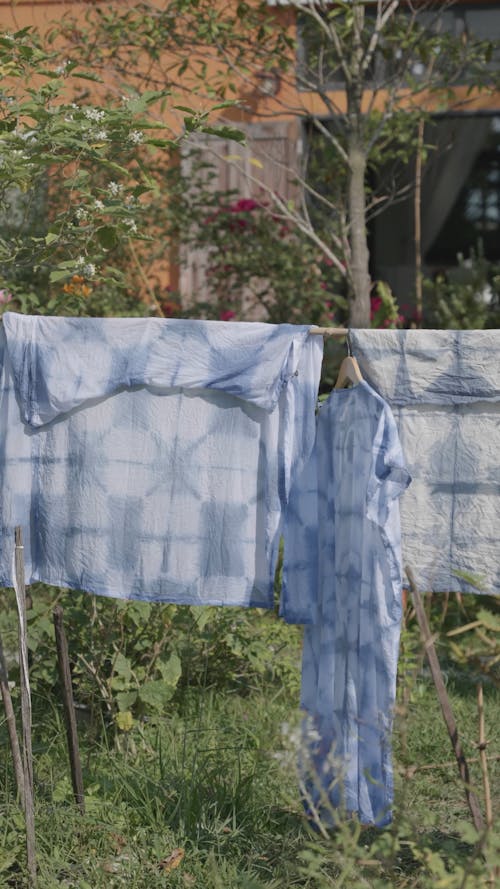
<point x="29" y="810"/>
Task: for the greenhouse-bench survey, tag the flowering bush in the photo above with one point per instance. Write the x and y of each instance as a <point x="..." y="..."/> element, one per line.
<point x="466" y="296"/>
<point x="74" y="180"/>
<point x="384" y="311"/>
<point x="256" y="267"/>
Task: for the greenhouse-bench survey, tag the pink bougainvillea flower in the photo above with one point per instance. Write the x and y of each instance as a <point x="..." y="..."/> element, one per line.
<point x="227" y="315"/>
<point x="375" y="303"/>
<point x="5" y="296"/>
<point x="170" y="308"/>
<point x="244" y="205"/>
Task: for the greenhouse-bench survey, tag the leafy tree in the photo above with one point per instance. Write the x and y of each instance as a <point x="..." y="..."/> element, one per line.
<point x="378" y="70"/>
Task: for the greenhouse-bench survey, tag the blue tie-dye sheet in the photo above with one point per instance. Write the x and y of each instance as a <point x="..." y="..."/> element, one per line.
<point x="346" y="509"/>
<point x="152" y="459"/>
<point x="444" y="389"/>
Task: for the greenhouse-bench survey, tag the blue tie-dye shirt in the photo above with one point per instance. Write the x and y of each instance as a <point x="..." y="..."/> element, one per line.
<point x="443" y="387"/>
<point x="345" y="507"/>
<point x="149" y="458"/>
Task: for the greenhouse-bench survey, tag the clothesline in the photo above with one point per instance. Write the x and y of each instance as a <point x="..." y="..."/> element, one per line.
<point x="329" y="331"/>
<point x="316" y="331"/>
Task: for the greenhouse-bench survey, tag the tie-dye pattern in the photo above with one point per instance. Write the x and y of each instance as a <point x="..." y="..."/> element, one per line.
<point x="149" y="458"/>
<point x="444" y="389"/>
<point x="351" y="651"/>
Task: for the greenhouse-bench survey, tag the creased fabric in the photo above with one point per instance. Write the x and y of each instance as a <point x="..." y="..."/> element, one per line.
<point x="152" y="459"/>
<point x="346" y="503"/>
<point x="444" y="389"/>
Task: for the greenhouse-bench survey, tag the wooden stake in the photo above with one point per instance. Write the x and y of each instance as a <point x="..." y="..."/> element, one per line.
<point x="11" y="726"/>
<point x="29" y="809"/>
<point x="69" y="708"/>
<point x="417" y="209"/>
<point x="444" y="701"/>
<point x="484" y="759"/>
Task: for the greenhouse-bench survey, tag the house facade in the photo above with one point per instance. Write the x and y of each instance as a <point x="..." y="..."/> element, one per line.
<point x="460" y="188"/>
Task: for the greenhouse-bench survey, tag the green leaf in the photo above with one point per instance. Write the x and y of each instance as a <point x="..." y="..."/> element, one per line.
<point x="111" y="165"/>
<point x="475" y="580"/>
<point x="162" y="143"/>
<point x="156" y="693"/>
<point x="229" y="103"/>
<point x="58" y="275"/>
<point x="171" y="670"/>
<point x="51" y="237"/>
<point x="224" y="133"/>
<point x="84" y="75"/>
<point x="106" y="235"/>
<point x="122" y="667"/>
<point x="491" y="621"/>
<point x="125" y="700"/>
<point x="10" y="858"/>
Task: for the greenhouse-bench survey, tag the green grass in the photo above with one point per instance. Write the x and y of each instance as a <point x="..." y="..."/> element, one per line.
<point x="209" y="777"/>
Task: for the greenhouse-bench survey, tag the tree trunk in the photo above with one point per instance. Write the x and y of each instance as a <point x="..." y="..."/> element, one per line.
<point x="359" y="302"/>
<point x="359" y="305"/>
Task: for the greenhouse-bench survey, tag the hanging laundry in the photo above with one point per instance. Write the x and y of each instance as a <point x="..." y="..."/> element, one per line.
<point x="152" y="459"/>
<point x="444" y="389"/>
<point x="345" y="506"/>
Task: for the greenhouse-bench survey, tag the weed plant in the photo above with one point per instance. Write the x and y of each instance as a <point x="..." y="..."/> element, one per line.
<point x="203" y="791"/>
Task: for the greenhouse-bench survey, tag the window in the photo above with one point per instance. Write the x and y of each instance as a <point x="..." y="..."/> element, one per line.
<point x="318" y="63"/>
<point x="475" y="215"/>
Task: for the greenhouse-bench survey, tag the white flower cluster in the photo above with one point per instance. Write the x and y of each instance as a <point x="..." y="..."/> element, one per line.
<point x="87" y="269"/>
<point x="136" y="137"/>
<point x="131" y="225"/>
<point x="100" y="135"/>
<point x="114" y="188"/>
<point x="61" y="69"/>
<point x="94" y="114"/>
<point x="98" y="205"/>
<point x="81" y="213"/>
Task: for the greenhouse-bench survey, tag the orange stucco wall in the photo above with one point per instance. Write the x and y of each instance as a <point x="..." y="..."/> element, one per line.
<point x="286" y="104"/>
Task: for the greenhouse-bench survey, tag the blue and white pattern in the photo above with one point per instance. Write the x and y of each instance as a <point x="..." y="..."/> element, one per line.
<point x="444" y="389"/>
<point x="152" y="459"/>
<point x="351" y="651"/>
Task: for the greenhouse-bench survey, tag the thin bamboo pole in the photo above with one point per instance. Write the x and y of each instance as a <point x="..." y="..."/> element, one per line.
<point x="328" y="331"/>
<point x="484" y="759"/>
<point x="418" y="223"/>
<point x="29" y="810"/>
<point x="10" y="719"/>
<point x="69" y="708"/>
<point x="444" y="701"/>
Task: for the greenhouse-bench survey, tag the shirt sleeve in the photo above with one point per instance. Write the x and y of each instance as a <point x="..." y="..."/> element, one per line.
<point x="300" y="555"/>
<point x="389" y="476"/>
